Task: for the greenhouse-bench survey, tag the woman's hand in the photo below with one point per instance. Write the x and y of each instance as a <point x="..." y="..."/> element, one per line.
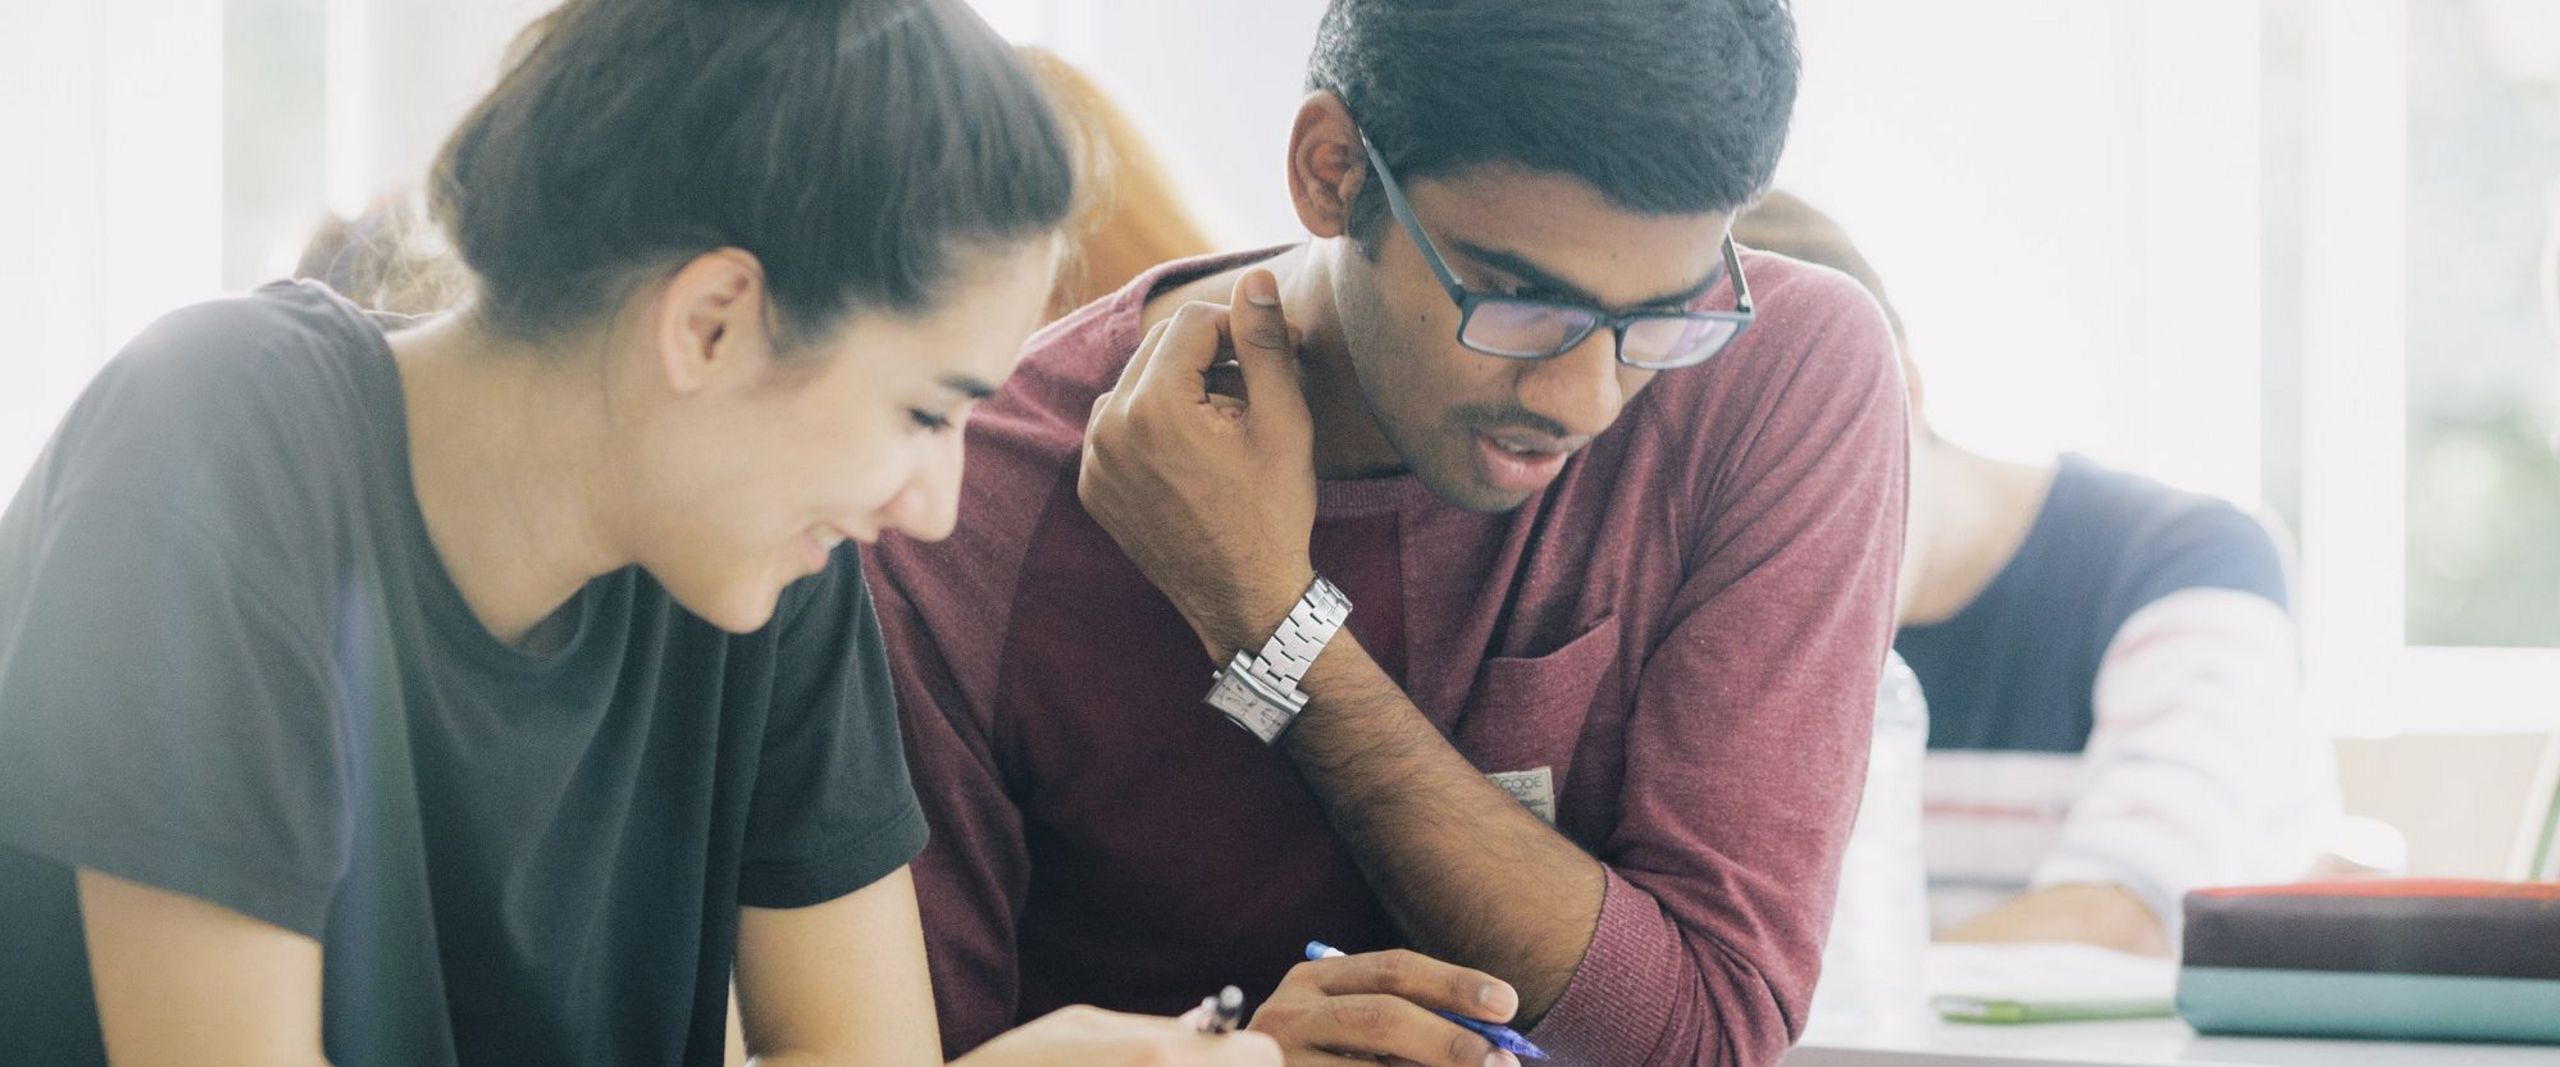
<point x="1090" y="1037"/>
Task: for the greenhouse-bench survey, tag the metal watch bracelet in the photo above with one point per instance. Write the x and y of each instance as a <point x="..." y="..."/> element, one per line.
<point x="1260" y="691"/>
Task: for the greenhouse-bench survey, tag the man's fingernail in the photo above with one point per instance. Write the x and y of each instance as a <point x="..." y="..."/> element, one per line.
<point x="1498" y="999"/>
<point x="1501" y="1059"/>
<point x="1262" y="289"/>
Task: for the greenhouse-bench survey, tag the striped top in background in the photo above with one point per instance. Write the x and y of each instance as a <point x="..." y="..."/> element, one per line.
<point x="2120" y="705"/>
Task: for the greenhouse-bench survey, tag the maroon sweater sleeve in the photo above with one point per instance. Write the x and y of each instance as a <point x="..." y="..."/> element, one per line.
<point x="1749" y="733"/>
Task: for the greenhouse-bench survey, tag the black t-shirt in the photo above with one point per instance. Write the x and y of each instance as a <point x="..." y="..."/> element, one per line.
<point x="232" y="666"/>
<point x="2017" y="669"/>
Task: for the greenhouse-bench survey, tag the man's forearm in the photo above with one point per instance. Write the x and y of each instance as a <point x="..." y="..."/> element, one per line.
<point x="1468" y="874"/>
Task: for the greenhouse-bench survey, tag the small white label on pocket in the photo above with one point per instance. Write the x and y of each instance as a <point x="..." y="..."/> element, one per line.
<point x="1534" y="789"/>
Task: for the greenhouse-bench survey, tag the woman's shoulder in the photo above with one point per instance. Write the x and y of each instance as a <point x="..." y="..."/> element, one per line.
<point x="250" y="421"/>
<point x="279" y="344"/>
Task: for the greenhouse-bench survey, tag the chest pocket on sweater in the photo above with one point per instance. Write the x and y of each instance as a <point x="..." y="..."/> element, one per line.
<point x="1526" y="714"/>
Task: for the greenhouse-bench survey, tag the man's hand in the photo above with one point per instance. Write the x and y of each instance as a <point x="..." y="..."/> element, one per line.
<point x="1378" y="1005"/>
<point x="1212" y="496"/>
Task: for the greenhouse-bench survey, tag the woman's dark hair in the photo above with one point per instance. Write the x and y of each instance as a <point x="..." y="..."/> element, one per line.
<point x="860" y="149"/>
<point x="1664" y="106"/>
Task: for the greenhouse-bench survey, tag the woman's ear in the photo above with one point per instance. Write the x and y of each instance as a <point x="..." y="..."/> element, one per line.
<point x="1326" y="164"/>
<point x="709" y="321"/>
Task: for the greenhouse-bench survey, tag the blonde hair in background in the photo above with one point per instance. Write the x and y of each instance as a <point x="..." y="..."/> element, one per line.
<point x="1130" y="215"/>
<point x="391" y="258"/>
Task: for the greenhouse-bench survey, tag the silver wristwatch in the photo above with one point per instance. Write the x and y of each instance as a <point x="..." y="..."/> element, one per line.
<point x="1260" y="691"/>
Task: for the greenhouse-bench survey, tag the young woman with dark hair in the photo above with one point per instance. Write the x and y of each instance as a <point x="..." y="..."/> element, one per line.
<point x="493" y="688"/>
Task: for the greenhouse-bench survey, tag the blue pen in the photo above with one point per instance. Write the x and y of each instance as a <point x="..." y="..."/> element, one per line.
<point x="1503" y="1037"/>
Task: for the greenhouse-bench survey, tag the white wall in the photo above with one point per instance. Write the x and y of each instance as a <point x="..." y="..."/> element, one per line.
<point x="2061" y="196"/>
<point x="1214" y="86"/>
<point x="110" y="192"/>
<point x="2461" y="800"/>
<point x="411" y="70"/>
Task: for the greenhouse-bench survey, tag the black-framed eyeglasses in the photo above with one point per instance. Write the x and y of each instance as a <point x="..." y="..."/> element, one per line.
<point x="1517" y="327"/>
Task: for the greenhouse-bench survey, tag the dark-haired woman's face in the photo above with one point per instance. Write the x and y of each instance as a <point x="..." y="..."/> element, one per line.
<point x="856" y="438"/>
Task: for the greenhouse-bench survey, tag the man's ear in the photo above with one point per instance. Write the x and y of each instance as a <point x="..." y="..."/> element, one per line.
<point x="709" y="321"/>
<point x="1327" y="165"/>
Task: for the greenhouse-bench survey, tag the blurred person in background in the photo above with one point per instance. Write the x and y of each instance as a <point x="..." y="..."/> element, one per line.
<point x="2112" y="677"/>
<point x="389" y="258"/>
<point x="1130" y="215"/>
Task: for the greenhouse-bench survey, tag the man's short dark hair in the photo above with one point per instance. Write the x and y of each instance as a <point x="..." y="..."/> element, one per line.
<point x="1664" y="106"/>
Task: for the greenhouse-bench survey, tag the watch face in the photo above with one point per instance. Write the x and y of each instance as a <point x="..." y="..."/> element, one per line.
<point x="1240" y="703"/>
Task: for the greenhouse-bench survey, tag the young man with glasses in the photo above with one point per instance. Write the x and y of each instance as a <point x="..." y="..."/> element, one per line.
<point x="1494" y="585"/>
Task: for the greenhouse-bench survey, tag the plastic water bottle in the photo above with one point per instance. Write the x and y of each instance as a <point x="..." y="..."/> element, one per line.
<point x="1875" y="967"/>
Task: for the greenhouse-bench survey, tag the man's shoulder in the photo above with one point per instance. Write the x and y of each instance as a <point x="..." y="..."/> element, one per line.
<point x="1812" y="326"/>
<point x="1025" y="446"/>
<point x="1810" y="308"/>
<point x="1816" y="364"/>
<point x="1019" y="514"/>
<point x="1044" y="406"/>
<point x="1030" y="435"/>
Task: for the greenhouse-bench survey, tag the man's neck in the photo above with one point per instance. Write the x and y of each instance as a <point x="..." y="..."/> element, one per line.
<point x="1970" y="515"/>
<point x="1348" y="443"/>
<point x="505" y="464"/>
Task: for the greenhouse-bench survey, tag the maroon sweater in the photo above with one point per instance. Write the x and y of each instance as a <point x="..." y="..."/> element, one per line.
<point x="1684" y="631"/>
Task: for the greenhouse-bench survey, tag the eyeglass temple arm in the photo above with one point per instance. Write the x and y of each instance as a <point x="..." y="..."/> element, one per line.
<point x="1741" y="285"/>
<point x="1403" y="211"/>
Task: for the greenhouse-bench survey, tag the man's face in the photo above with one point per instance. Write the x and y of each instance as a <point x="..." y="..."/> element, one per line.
<point x="1487" y="433"/>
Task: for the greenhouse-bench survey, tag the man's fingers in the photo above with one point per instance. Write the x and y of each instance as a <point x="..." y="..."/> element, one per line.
<point x="1381" y="1024"/>
<point x="1177" y="368"/>
<point x="1257" y="324"/>
<point x="1136" y="369"/>
<point x="1418" y="978"/>
<point x="1181" y="362"/>
<point x="1266" y="352"/>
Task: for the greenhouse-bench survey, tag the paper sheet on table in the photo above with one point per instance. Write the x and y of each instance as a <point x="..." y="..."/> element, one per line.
<point x="2047" y="972"/>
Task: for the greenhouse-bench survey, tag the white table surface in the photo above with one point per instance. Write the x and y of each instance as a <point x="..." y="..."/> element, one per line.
<point x="1928" y="1042"/>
